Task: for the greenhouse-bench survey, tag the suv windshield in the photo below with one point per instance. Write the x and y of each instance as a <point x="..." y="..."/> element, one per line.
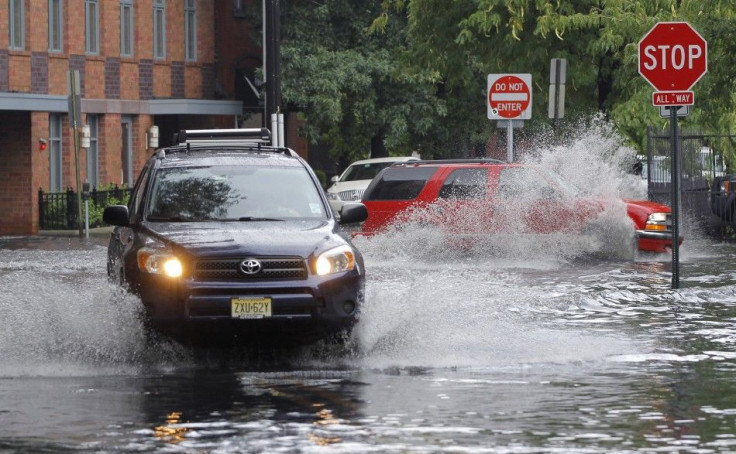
<point x="364" y="171"/>
<point x="234" y="193"/>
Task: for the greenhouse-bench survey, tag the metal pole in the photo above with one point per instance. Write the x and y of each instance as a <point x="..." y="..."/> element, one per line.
<point x="75" y="123"/>
<point x="675" y="200"/>
<point x="280" y="122"/>
<point x="274" y="130"/>
<point x="558" y="74"/>
<point x="509" y="141"/>
<point x="86" y="219"/>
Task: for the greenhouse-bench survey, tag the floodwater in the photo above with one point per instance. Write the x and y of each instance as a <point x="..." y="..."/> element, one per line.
<point x="529" y="345"/>
<point x="467" y="353"/>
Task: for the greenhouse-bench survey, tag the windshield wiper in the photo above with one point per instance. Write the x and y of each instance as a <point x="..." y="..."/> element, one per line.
<point x="254" y="218"/>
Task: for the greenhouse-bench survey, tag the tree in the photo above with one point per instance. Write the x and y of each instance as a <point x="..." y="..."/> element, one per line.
<point x="349" y="84"/>
<point x="599" y="39"/>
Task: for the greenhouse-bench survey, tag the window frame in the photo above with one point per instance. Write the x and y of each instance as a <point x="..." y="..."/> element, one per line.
<point x="56" y="31"/>
<point x="239" y="8"/>
<point x="127" y="28"/>
<point x="56" y="173"/>
<point x="190" y="30"/>
<point x="159" y="30"/>
<point x="92" y="27"/>
<point x="93" y="152"/>
<point x="16" y="21"/>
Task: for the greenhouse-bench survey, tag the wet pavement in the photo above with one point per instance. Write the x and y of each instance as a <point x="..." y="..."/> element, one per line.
<point x="458" y="353"/>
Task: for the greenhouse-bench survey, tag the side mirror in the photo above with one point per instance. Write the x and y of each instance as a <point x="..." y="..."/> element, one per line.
<point x="335" y="178"/>
<point x="116" y="215"/>
<point x="352" y="213"/>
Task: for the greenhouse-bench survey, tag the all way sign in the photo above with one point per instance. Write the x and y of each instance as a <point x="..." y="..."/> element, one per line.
<point x="673" y="98"/>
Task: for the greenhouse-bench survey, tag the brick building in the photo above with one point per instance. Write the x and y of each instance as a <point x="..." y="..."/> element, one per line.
<point x="175" y="64"/>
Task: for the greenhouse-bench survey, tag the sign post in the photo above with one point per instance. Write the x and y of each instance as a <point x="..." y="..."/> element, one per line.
<point x="672" y="58"/>
<point x="75" y="118"/>
<point x="509" y="98"/>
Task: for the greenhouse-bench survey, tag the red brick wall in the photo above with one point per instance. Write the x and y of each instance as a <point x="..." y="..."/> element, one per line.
<point x="15" y="173"/>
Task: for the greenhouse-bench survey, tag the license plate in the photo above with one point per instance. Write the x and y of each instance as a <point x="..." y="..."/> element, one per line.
<point x="250" y="307"/>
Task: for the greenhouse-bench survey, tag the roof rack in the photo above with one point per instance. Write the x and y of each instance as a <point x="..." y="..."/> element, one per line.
<point x="452" y="161"/>
<point x="259" y="135"/>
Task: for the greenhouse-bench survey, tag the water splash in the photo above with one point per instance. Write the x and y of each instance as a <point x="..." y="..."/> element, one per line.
<point x="62" y="317"/>
<point x="462" y="300"/>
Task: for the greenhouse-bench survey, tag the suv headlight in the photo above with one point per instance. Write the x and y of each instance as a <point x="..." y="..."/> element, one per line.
<point x="335" y="260"/>
<point x="159" y="261"/>
<point x="332" y="196"/>
<point x="658" y="221"/>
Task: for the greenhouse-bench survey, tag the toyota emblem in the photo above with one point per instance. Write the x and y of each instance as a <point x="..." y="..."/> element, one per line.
<point x="250" y="266"/>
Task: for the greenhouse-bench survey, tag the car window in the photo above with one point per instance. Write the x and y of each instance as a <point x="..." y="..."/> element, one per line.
<point x="234" y="193"/>
<point x="529" y="183"/>
<point x="365" y="171"/>
<point x="465" y="184"/>
<point x="400" y="183"/>
<point x="139" y="190"/>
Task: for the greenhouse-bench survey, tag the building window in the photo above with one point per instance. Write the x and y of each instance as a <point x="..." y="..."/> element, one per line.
<point x="55" y="26"/>
<point x="55" y="168"/>
<point x="93" y="155"/>
<point x="239" y="8"/>
<point x="190" y="30"/>
<point x="16" y="14"/>
<point x="92" y="26"/>
<point x="159" y="29"/>
<point x="126" y="28"/>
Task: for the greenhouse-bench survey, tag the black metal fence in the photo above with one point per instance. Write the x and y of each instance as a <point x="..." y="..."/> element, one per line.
<point x="58" y="210"/>
<point x="701" y="158"/>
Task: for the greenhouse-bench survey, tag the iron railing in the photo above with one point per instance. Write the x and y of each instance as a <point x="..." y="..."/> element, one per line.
<point x="58" y="210"/>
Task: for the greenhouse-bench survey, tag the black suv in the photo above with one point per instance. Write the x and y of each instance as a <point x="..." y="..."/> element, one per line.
<point x="723" y="198"/>
<point x="224" y="234"/>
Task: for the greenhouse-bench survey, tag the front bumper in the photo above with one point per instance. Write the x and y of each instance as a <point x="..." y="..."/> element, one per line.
<point x="301" y="309"/>
<point x="653" y="241"/>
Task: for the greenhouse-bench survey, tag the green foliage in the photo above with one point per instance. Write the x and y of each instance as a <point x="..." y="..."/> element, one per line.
<point x="413" y="72"/>
<point x="95" y="210"/>
<point x="351" y="81"/>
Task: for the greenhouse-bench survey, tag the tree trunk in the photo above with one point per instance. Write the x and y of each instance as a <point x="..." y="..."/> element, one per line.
<point x="378" y="149"/>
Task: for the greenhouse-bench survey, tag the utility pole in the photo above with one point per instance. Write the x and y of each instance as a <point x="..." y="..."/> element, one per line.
<point x="272" y="57"/>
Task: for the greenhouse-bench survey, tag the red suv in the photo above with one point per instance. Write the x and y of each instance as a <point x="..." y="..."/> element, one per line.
<point x="471" y="197"/>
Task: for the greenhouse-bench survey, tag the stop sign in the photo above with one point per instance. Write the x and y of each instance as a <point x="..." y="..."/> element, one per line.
<point x="673" y="56"/>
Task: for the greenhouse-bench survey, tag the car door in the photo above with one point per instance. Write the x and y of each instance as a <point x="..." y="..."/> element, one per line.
<point x="461" y="205"/>
<point x="123" y="237"/>
<point x="527" y="200"/>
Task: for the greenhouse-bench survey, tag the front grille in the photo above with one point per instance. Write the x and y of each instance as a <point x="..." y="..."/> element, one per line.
<point x="351" y="195"/>
<point x="228" y="269"/>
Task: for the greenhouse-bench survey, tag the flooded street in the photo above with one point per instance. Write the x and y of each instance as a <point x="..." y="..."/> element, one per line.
<point x="458" y="353"/>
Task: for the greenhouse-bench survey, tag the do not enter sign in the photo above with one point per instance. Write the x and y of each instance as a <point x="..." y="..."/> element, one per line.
<point x="509" y="96"/>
